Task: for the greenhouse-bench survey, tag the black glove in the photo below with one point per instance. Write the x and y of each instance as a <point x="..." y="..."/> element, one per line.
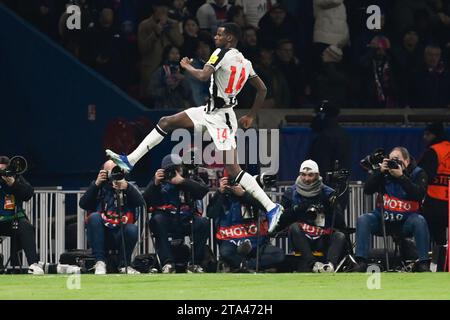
<point x="300" y="209"/>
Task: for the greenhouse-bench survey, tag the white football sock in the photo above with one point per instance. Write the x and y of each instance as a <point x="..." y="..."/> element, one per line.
<point x="151" y="140"/>
<point x="250" y="185"/>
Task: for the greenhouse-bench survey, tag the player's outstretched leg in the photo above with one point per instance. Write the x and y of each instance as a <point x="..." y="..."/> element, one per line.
<point x="163" y="128"/>
<point x="274" y="210"/>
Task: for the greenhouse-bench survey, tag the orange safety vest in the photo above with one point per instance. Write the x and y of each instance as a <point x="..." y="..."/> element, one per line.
<point x="438" y="188"/>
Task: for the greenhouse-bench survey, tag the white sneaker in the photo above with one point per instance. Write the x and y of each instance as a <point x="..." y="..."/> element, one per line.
<point x="100" y="267"/>
<point x="168" y="268"/>
<point x="195" y="269"/>
<point x="317" y="267"/>
<point x="36" y="269"/>
<point x="129" y="270"/>
<point x="327" y="268"/>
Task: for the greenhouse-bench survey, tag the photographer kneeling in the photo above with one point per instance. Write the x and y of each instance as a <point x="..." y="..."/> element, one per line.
<point x="403" y="186"/>
<point x="312" y="213"/>
<point x="105" y="199"/>
<point x="14" y="189"/>
<point x="172" y="200"/>
<point x="235" y="213"/>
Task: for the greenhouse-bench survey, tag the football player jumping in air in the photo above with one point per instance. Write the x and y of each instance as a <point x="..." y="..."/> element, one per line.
<point x="228" y="70"/>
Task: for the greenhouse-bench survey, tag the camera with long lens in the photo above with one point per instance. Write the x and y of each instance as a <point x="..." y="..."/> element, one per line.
<point x="373" y="160"/>
<point x="17" y="166"/>
<point x="116" y="174"/>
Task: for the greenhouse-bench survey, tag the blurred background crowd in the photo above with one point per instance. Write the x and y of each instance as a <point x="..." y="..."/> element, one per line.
<point x="305" y="51"/>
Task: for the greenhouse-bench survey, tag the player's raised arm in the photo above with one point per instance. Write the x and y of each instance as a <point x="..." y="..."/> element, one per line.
<point x="261" y="92"/>
<point x="200" y="74"/>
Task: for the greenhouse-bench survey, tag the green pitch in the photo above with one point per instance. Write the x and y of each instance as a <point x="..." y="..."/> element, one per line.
<point x="293" y="286"/>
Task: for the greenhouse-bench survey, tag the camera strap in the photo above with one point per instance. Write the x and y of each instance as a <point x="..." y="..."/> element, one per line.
<point x="14" y="216"/>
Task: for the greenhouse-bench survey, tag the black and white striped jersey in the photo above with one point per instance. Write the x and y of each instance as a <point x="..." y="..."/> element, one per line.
<point x="232" y="71"/>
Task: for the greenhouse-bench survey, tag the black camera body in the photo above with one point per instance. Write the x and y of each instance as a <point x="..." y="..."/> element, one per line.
<point x="7" y="173"/>
<point x="116" y="174"/>
<point x="170" y="173"/>
<point x="314" y="209"/>
<point x="17" y="166"/>
<point x="373" y="160"/>
<point x="337" y="179"/>
<point x="394" y="163"/>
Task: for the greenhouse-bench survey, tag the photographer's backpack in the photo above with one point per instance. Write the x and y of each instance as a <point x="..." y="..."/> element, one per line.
<point x="78" y="257"/>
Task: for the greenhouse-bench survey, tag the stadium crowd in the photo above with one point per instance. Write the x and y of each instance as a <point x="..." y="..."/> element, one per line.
<point x="305" y="51"/>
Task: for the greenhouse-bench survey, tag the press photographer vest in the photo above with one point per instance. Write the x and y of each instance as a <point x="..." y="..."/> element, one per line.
<point x="438" y="188"/>
<point x="7" y="207"/>
<point x="172" y="202"/>
<point x="233" y="227"/>
<point x="108" y="210"/>
<point x="313" y="231"/>
<point x="395" y="203"/>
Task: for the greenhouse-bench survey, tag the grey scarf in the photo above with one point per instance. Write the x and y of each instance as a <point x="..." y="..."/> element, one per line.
<point x="311" y="190"/>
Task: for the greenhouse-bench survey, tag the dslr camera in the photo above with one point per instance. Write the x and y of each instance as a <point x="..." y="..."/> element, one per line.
<point x="116" y="174"/>
<point x="170" y="173"/>
<point x="373" y="160"/>
<point x="394" y="163"/>
<point x="17" y="166"/>
<point x="314" y="209"/>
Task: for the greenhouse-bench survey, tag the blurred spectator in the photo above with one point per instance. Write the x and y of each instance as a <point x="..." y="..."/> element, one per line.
<point x="330" y="82"/>
<point x="75" y="41"/>
<point x="417" y="13"/>
<point x="442" y="8"/>
<point x="303" y="13"/>
<point x="48" y="13"/>
<point x="200" y="89"/>
<point x="236" y="15"/>
<point x="156" y="33"/>
<point x="294" y="72"/>
<point x="168" y="87"/>
<point x="249" y="43"/>
<point x="361" y="37"/>
<point x="446" y="57"/>
<point x="194" y="5"/>
<point x="212" y="14"/>
<point x="276" y="25"/>
<point x="426" y="27"/>
<point x="190" y="34"/>
<point x="107" y="50"/>
<point x="378" y="79"/>
<point x="430" y="85"/>
<point x="330" y="27"/>
<point x="408" y="55"/>
<point x="278" y="95"/>
<point x="254" y="10"/>
<point x="331" y="142"/>
<point x="178" y="10"/>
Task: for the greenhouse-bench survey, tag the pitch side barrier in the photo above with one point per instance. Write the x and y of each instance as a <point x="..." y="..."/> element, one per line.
<point x="53" y="210"/>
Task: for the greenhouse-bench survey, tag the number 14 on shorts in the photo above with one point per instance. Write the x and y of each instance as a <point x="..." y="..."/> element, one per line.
<point x="222" y="134"/>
